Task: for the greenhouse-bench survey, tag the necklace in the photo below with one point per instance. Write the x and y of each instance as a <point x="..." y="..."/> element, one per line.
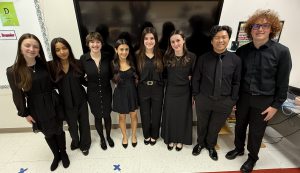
<point x="33" y="68"/>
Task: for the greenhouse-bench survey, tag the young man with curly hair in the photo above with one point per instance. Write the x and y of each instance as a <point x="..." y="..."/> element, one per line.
<point x="266" y="67"/>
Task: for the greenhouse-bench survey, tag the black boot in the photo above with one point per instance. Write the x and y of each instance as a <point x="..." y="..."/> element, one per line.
<point x="61" y="141"/>
<point x="51" y="141"/>
<point x="102" y="142"/>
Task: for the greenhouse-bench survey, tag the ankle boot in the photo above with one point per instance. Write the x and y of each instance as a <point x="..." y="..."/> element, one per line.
<point x="55" y="150"/>
<point x="110" y="142"/>
<point x="64" y="159"/>
<point x="61" y="141"/>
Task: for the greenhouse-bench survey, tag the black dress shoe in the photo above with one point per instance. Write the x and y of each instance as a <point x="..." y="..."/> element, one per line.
<point x="233" y="154"/>
<point x="110" y="142"/>
<point x="170" y="147"/>
<point x="146" y="142"/>
<point x="103" y="145"/>
<point x="247" y="167"/>
<point x="152" y="142"/>
<point x="74" y="146"/>
<point x="134" y="144"/>
<point x="179" y="148"/>
<point x="85" y="152"/>
<point x="197" y="150"/>
<point x="125" y="145"/>
<point x="213" y="153"/>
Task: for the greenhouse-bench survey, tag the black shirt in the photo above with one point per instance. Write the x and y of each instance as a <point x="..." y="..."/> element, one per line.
<point x="266" y="71"/>
<point x="149" y="73"/>
<point x="71" y="90"/>
<point x="203" y="80"/>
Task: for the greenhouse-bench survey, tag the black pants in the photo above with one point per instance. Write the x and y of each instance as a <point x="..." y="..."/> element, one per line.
<point x="78" y="119"/>
<point x="151" y="99"/>
<point x="249" y="109"/>
<point x="211" y="116"/>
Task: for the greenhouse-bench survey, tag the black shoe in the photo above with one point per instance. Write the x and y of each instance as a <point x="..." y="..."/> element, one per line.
<point x="134" y="144"/>
<point x="233" y="154"/>
<point x="103" y="144"/>
<point x="213" y="153"/>
<point x="55" y="162"/>
<point x="146" y="142"/>
<point x="125" y="145"/>
<point x="64" y="159"/>
<point x="73" y="146"/>
<point x="179" y="148"/>
<point x="152" y="142"/>
<point x="170" y="147"/>
<point x="85" y="152"/>
<point x="197" y="150"/>
<point x="247" y="167"/>
<point x="110" y="142"/>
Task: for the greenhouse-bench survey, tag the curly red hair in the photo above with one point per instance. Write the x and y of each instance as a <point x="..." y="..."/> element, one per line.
<point x="272" y="18"/>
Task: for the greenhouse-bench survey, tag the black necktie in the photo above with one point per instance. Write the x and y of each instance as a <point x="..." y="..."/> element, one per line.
<point x="218" y="77"/>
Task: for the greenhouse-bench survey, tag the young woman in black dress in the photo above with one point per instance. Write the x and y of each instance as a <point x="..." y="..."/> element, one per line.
<point x="177" y="114"/>
<point x="35" y="98"/>
<point x="151" y="86"/>
<point x="68" y="76"/>
<point x="97" y="67"/>
<point x="125" y="94"/>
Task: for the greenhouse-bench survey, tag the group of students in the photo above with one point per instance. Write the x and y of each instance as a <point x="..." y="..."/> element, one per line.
<point x="163" y="87"/>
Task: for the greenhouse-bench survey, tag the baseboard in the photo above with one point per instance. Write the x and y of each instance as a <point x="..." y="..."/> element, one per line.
<point x="29" y="129"/>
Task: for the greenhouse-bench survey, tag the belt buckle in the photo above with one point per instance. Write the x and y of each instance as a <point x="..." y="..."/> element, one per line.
<point x="149" y="82"/>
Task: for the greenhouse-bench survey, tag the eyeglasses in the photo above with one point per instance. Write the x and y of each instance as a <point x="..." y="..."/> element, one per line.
<point x="263" y="26"/>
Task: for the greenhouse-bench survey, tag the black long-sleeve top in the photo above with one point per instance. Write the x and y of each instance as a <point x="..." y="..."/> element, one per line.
<point x="203" y="80"/>
<point x="71" y="90"/>
<point x="266" y="71"/>
<point x="149" y="73"/>
<point x="39" y="101"/>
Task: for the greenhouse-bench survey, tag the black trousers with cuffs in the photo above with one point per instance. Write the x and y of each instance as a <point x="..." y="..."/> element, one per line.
<point x="211" y="116"/>
<point x="249" y="109"/>
<point x="151" y="100"/>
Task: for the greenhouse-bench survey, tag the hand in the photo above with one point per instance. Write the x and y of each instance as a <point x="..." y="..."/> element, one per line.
<point x="269" y="112"/>
<point x="193" y="101"/>
<point x="30" y="119"/>
<point x="234" y="108"/>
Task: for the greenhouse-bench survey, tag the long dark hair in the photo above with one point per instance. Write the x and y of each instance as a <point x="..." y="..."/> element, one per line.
<point x="56" y="67"/>
<point x="170" y="58"/>
<point x="116" y="61"/>
<point x="23" y="74"/>
<point x="157" y="59"/>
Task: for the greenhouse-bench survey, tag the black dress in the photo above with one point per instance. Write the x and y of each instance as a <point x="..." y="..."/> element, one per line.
<point x="125" y="94"/>
<point x="99" y="90"/>
<point x="177" y="113"/>
<point x="41" y="101"/>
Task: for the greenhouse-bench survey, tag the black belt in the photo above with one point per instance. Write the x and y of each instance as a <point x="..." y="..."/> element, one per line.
<point x="151" y="82"/>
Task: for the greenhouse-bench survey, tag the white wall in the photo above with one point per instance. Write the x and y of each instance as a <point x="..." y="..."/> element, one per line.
<point x="60" y="19"/>
<point x="239" y="10"/>
<point x="61" y="22"/>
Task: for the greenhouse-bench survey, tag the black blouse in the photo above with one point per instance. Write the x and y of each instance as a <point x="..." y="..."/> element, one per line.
<point x="71" y="90"/>
<point x="179" y="74"/>
<point x="149" y="72"/>
<point x="38" y="101"/>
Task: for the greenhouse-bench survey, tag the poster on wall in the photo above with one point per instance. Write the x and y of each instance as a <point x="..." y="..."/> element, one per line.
<point x="242" y="38"/>
<point x="8" y="14"/>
